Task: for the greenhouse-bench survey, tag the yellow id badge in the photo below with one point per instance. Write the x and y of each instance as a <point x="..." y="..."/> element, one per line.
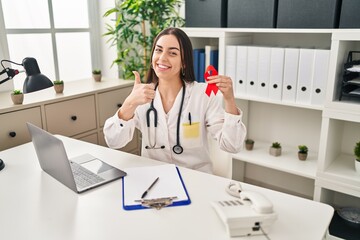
<point x="191" y="130"/>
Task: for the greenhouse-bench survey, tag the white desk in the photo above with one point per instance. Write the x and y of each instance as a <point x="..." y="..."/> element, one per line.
<point x="33" y="205"/>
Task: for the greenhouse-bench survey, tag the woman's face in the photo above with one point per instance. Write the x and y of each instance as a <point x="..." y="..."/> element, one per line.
<point x="166" y="58"/>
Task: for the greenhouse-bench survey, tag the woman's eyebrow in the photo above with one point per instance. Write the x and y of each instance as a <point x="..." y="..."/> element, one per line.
<point x="170" y="48"/>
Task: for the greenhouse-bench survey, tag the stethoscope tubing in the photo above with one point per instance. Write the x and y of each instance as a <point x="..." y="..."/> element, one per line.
<point x="177" y="149"/>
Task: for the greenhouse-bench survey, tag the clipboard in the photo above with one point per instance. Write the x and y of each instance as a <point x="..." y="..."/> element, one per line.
<point x="138" y="179"/>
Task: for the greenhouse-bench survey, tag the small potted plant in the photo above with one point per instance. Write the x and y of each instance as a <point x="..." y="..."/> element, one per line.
<point x="249" y="144"/>
<point x="275" y="149"/>
<point x="96" y="75"/>
<point x="303" y="152"/>
<point x="17" y="96"/>
<point x="357" y="156"/>
<point x="58" y="86"/>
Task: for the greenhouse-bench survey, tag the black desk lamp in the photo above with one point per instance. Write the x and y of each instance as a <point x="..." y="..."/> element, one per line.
<point x="34" y="81"/>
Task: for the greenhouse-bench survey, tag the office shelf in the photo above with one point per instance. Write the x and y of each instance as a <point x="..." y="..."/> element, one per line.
<point x="330" y="130"/>
<point x="286" y="162"/>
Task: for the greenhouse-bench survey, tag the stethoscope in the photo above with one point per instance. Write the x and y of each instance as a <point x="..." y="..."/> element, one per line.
<point x="178" y="149"/>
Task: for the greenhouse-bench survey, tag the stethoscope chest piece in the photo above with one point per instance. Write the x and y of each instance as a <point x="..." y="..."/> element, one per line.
<point x="178" y="149"/>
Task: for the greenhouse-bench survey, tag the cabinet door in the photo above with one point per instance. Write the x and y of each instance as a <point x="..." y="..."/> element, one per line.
<point x="132" y="147"/>
<point x="92" y="138"/>
<point x="109" y="102"/>
<point x="71" y="117"/>
<point x="13" y="129"/>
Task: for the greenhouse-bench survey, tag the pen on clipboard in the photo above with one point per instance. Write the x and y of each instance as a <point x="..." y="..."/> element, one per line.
<point x="149" y="188"/>
<point x="189" y="118"/>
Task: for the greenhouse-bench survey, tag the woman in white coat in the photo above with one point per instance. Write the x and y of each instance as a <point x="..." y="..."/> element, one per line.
<point x="173" y="112"/>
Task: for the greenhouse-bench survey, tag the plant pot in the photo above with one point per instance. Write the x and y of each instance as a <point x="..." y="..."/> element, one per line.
<point x="17" y="98"/>
<point x="97" y="77"/>
<point x="302" y="156"/>
<point x="59" y="88"/>
<point x="357" y="166"/>
<point x="249" y="146"/>
<point x="275" y="151"/>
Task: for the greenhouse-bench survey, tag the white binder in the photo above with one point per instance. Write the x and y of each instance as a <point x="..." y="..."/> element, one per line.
<point x="230" y="64"/>
<point x="252" y="71"/>
<point x="276" y="73"/>
<point x="305" y="75"/>
<point x="321" y="69"/>
<point x="241" y="70"/>
<point x="290" y="74"/>
<point x="264" y="57"/>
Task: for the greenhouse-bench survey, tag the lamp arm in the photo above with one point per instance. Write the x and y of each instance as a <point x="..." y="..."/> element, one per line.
<point x="10" y="72"/>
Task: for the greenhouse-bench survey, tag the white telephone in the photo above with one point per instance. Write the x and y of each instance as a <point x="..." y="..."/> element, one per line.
<point x="251" y="214"/>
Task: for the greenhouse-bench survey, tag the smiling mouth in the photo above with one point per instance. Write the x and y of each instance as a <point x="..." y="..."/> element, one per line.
<point x="161" y="66"/>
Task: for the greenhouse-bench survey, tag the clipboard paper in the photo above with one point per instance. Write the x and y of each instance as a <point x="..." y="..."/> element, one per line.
<point x="138" y="179"/>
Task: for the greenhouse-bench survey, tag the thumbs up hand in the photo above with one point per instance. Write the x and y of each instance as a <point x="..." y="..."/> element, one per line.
<point x="142" y="93"/>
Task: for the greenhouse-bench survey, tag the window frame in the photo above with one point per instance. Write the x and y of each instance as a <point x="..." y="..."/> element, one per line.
<point x="93" y="30"/>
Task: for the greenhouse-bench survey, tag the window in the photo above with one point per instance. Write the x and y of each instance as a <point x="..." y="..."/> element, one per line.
<point x="62" y="35"/>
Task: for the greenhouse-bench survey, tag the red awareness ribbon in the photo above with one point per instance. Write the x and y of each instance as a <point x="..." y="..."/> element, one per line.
<point x="211" y="87"/>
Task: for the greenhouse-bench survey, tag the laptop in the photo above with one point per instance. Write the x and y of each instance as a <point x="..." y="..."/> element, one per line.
<point x="81" y="173"/>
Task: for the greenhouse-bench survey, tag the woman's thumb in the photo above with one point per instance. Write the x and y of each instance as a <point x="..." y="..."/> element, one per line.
<point x="137" y="77"/>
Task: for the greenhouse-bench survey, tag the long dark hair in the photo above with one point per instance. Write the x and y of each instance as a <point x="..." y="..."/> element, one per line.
<point x="187" y="73"/>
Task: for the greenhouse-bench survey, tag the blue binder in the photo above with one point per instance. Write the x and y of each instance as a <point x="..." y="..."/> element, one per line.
<point x="138" y="179"/>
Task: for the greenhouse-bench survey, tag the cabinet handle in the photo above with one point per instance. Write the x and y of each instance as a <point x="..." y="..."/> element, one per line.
<point x="119" y="105"/>
<point x="12" y="134"/>
<point x="73" y="118"/>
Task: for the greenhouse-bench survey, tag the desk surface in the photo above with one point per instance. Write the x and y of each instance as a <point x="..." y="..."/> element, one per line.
<point x="33" y="205"/>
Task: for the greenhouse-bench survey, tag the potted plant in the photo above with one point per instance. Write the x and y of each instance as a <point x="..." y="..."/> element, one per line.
<point x="96" y="73"/>
<point x="58" y="86"/>
<point x="17" y="96"/>
<point x="136" y="24"/>
<point x="303" y="152"/>
<point x="357" y="156"/>
<point x="249" y="144"/>
<point x="275" y="149"/>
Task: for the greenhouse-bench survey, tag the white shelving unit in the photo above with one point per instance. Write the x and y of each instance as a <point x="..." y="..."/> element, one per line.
<point x="330" y="131"/>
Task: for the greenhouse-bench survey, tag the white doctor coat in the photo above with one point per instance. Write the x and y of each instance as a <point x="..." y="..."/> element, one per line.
<point x="207" y="116"/>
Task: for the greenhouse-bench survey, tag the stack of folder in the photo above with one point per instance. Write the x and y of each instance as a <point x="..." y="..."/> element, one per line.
<point x="292" y="75"/>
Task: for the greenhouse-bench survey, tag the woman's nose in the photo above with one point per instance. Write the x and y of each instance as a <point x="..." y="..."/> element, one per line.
<point x="162" y="55"/>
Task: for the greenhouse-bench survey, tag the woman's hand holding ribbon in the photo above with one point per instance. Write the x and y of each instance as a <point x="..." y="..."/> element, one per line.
<point x="225" y="85"/>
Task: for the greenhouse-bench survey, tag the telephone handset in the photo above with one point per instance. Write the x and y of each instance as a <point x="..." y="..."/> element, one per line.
<point x="250" y="214"/>
<point x="259" y="202"/>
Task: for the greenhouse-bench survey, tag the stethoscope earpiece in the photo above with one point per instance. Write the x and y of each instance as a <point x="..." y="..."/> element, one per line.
<point x="161" y="147"/>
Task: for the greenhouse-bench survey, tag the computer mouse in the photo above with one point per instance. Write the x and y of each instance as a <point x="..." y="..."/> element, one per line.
<point x="2" y="164"/>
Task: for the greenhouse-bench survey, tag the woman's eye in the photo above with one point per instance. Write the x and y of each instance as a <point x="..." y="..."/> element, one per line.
<point x="173" y="53"/>
<point x="157" y="50"/>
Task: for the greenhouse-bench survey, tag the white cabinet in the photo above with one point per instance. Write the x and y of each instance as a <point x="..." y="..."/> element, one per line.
<point x="329" y="130"/>
<point x="71" y="117"/>
<point x="79" y="112"/>
<point x="13" y="129"/>
<point x="108" y="103"/>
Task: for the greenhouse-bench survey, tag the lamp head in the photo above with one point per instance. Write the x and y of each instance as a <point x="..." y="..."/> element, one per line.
<point x="35" y="80"/>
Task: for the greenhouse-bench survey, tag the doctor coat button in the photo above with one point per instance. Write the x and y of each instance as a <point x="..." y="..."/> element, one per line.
<point x="121" y="125"/>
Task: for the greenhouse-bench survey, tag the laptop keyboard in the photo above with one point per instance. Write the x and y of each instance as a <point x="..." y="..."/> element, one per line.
<point x="84" y="177"/>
